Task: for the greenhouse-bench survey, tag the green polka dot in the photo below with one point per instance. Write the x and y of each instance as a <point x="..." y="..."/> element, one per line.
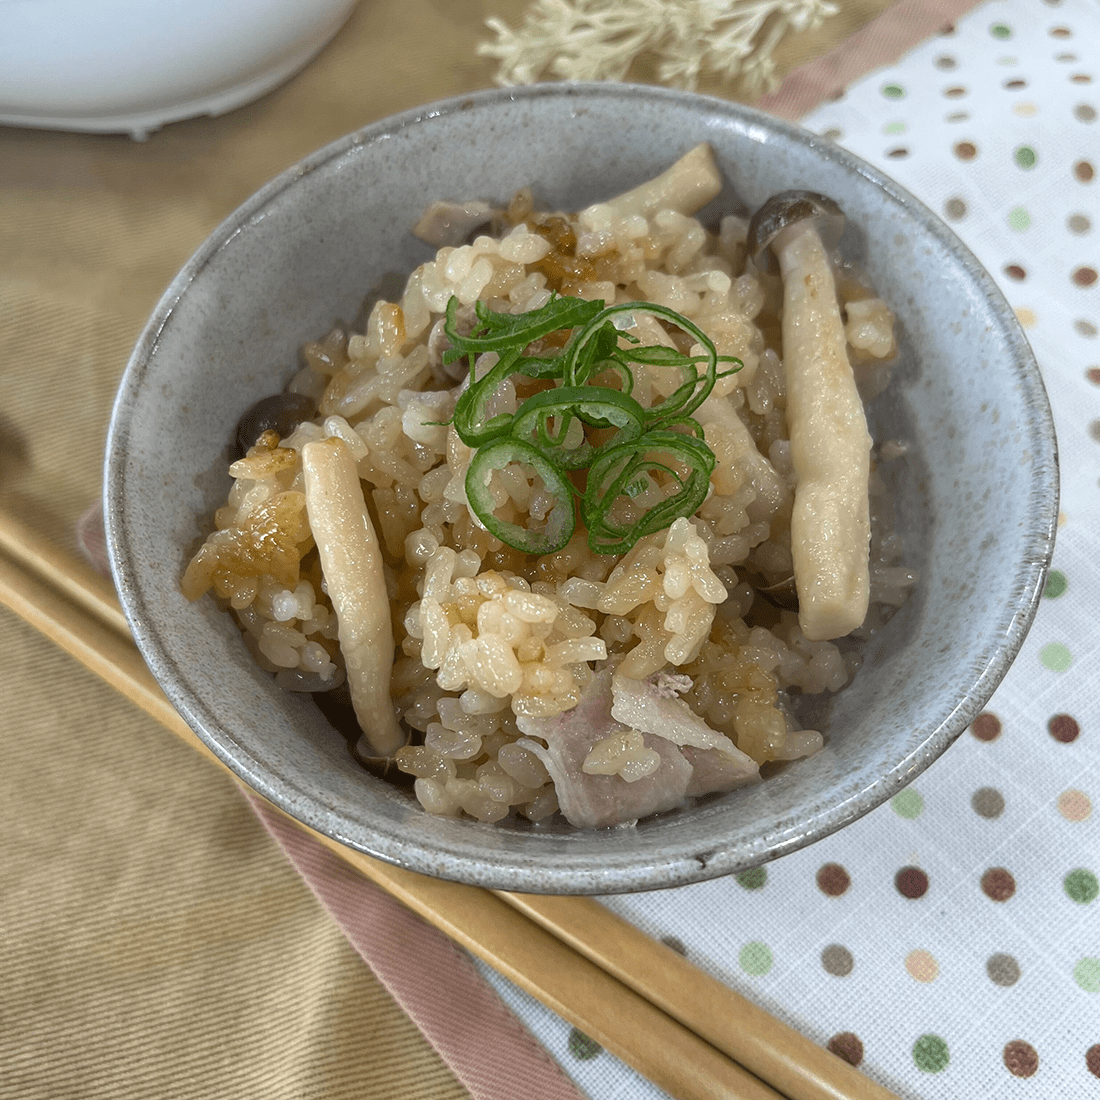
<point x="894" y="128"/>
<point x="930" y="1054"/>
<point x="1056" y="585"/>
<point x="755" y="958"/>
<point x="581" y="1047"/>
<point x="1087" y="974"/>
<point x="1025" y="156"/>
<point x="893" y="91"/>
<point x="907" y="804"/>
<point x="1001" y="30"/>
<point x="754" y="879"/>
<point x="1081" y="885"/>
<point x="1019" y="219"/>
<point x="1056" y="657"/>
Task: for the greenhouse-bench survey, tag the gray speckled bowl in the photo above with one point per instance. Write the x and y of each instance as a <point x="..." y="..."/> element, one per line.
<point x="976" y="496"/>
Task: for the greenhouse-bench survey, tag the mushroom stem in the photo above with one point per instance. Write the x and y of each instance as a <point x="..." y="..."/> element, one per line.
<point x="830" y="444"/>
<point x="686" y="186"/>
<point x="352" y="565"/>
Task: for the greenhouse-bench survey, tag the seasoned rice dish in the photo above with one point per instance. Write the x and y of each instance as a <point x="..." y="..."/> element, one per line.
<point x="577" y="519"/>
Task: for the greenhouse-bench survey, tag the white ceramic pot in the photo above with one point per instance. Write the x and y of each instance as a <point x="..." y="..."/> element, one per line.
<point x="130" y="66"/>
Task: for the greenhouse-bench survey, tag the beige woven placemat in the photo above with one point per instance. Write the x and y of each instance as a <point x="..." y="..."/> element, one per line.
<point x="153" y="941"/>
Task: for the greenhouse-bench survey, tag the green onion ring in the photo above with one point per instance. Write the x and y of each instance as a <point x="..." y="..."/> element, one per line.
<point x="616" y="467"/>
<point x="562" y="518"/>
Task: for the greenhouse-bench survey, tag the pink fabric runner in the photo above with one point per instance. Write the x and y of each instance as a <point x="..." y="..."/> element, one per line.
<point x="881" y="42"/>
<point x="433" y="980"/>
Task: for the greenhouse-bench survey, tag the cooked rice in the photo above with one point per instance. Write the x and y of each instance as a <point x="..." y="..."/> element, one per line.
<point x="486" y="634"/>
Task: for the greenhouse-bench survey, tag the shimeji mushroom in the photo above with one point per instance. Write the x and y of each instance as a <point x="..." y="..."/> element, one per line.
<point x="686" y="186"/>
<point x="830" y="444"/>
<point x="352" y="566"/>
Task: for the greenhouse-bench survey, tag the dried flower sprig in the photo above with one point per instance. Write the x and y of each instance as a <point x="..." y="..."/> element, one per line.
<point x="689" y="39"/>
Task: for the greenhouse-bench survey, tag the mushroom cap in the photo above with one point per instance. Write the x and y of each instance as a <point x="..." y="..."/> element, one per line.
<point x="787" y="208"/>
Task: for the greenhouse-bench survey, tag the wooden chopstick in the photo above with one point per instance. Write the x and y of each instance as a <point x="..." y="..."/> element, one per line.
<point x="625" y="1022"/>
<point x="776" y="1053"/>
<point x="687" y="1032"/>
<point x="67" y="573"/>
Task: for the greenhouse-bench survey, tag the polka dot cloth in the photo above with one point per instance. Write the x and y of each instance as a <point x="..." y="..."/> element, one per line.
<point x="948" y="943"/>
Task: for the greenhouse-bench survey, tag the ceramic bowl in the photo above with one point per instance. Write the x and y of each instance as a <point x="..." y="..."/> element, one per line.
<point x="976" y="494"/>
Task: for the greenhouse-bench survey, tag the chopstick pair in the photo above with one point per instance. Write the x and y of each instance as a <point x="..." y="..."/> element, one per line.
<point x="688" y="1033"/>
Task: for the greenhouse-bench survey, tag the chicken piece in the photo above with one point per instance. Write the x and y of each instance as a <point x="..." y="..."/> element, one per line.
<point x="597" y="801"/>
<point x="652" y="707"/>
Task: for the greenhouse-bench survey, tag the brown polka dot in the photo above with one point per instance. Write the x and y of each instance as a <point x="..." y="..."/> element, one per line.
<point x="1020" y="1058"/>
<point x="1081" y="78"/>
<point x="1065" y="57"/>
<point x="1064" y="728"/>
<point x="1013" y="85"/>
<point x="1078" y="223"/>
<point x="1092" y="1060"/>
<point x="1084" y="172"/>
<point x="958" y="116"/>
<point x="1015" y="271"/>
<point x="1061" y="32"/>
<point x="1094" y="430"/>
<point x="1002" y="969"/>
<point x="911" y="882"/>
<point x="898" y="153"/>
<point x="837" y="960"/>
<point x="1084" y="113"/>
<point x="1084" y="328"/>
<point x="954" y="92"/>
<point x="1084" y="276"/>
<point x="986" y="727"/>
<point x="948" y="30"/>
<point x="946" y="63"/>
<point x="998" y="884"/>
<point x="966" y="150"/>
<point x="1093" y="375"/>
<point x="988" y="802"/>
<point x="847" y="1045"/>
<point x="955" y="209"/>
<point x="833" y="880"/>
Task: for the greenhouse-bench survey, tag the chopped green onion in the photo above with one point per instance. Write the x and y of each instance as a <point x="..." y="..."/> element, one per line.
<point x="470" y="412"/>
<point x="544" y="432"/>
<point x="596" y="406"/>
<point x="601" y="332"/>
<point x="617" y="468"/>
<point x="562" y="517"/>
<point x="502" y="331"/>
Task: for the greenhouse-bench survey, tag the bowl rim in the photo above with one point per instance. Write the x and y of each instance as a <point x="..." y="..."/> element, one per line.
<point x="689" y="866"/>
